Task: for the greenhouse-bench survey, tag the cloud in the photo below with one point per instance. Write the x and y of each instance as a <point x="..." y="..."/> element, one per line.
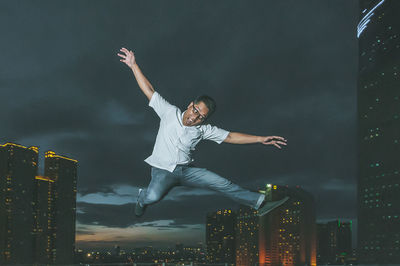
<point x="274" y="68"/>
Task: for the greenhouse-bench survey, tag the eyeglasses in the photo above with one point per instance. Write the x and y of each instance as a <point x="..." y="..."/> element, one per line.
<point x="197" y="112"/>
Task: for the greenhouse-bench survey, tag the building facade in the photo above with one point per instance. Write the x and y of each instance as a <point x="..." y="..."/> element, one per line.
<point x="18" y="168"/>
<point x="37" y="213"/>
<point x="334" y="242"/>
<point x="247" y="233"/>
<point x="44" y="199"/>
<point x="285" y="236"/>
<point x="378" y="132"/>
<point x="61" y="226"/>
<point x="288" y="234"/>
<point x="220" y="237"/>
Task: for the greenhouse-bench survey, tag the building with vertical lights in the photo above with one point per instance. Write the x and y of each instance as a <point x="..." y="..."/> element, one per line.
<point x="334" y="242"/>
<point x="37" y="213"/>
<point x="61" y="226"/>
<point x="285" y="236"/>
<point x="344" y="240"/>
<point x="247" y="236"/>
<point x="378" y="132"/>
<point x="44" y="200"/>
<point x="220" y="236"/>
<point x="18" y="168"/>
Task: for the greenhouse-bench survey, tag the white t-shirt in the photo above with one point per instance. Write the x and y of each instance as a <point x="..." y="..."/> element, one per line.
<point x="175" y="141"/>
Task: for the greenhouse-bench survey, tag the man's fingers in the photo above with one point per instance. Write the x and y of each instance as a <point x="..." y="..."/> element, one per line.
<point x="277" y="145"/>
<point x="278" y="137"/>
<point x="124" y="50"/>
<point x="121" y="55"/>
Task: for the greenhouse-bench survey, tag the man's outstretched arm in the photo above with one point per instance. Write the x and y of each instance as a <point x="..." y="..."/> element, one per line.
<point x="241" y="138"/>
<point x="128" y="57"/>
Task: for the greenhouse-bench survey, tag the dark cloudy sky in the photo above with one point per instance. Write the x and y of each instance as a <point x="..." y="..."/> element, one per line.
<point x="286" y="68"/>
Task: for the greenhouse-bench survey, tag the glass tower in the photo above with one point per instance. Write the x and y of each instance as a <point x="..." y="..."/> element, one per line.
<point x="285" y="236"/>
<point x="61" y="223"/>
<point x="379" y="132"/>
<point x="18" y="168"/>
<point x="220" y="236"/>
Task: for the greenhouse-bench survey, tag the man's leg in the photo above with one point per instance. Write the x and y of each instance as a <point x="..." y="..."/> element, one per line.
<point x="161" y="182"/>
<point x="203" y="178"/>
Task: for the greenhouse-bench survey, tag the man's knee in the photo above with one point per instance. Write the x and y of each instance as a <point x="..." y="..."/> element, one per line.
<point x="151" y="197"/>
<point x="222" y="183"/>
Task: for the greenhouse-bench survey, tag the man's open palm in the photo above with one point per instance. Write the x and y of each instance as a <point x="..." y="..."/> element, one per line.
<point x="128" y="57"/>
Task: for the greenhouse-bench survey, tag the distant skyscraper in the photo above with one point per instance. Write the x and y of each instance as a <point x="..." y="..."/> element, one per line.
<point x="44" y="209"/>
<point x="247" y="233"/>
<point x="18" y="168"/>
<point x="344" y="239"/>
<point x="63" y="171"/>
<point x="378" y="132"/>
<point x="288" y="234"/>
<point x="285" y="236"/>
<point x="37" y="213"/>
<point x="220" y="237"/>
<point x="334" y="242"/>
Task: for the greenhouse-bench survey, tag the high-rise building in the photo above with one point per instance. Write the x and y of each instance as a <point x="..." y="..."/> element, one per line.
<point x="44" y="200"/>
<point x="61" y="225"/>
<point x="285" y="236"/>
<point x="334" y="242"/>
<point x="344" y="239"/>
<point x="378" y="132"/>
<point x="37" y="213"/>
<point x="247" y="234"/>
<point x="18" y="168"/>
<point x="220" y="236"/>
<point x="288" y="234"/>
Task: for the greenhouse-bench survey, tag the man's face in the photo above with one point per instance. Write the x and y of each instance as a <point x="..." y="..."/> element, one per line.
<point x="195" y="114"/>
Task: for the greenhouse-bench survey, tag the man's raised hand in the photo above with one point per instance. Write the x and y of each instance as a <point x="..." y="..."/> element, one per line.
<point x="274" y="140"/>
<point x="128" y="57"/>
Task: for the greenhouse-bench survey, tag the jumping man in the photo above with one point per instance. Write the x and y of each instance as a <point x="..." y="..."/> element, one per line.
<point x="178" y="134"/>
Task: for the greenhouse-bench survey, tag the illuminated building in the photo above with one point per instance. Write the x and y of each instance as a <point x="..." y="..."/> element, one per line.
<point x="285" y="236"/>
<point x="378" y="132"/>
<point x="44" y="209"/>
<point x="37" y="213"/>
<point x="334" y="242"/>
<point x="61" y="226"/>
<point x="220" y="237"/>
<point x="344" y="240"/>
<point x="18" y="168"/>
<point x="246" y="236"/>
<point x="288" y="234"/>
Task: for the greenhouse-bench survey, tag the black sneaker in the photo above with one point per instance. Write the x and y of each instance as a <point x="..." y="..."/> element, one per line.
<point x="266" y="206"/>
<point x="139" y="209"/>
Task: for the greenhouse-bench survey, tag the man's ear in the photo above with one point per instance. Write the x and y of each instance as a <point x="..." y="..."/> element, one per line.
<point x="190" y="104"/>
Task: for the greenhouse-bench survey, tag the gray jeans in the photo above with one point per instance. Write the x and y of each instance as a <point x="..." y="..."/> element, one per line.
<point x="187" y="175"/>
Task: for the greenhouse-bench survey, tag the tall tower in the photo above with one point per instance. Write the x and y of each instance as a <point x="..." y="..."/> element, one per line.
<point x="334" y="242"/>
<point x="378" y="132"/>
<point x="44" y="210"/>
<point x="247" y="233"/>
<point x="287" y="235"/>
<point x="18" y="168"/>
<point x="63" y="171"/>
<point x="220" y="236"/>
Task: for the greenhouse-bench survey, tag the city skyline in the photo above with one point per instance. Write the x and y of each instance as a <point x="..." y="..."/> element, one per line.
<point x="74" y="96"/>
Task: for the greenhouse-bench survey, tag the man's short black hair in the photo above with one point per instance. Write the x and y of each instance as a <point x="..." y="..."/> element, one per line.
<point x="209" y="102"/>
